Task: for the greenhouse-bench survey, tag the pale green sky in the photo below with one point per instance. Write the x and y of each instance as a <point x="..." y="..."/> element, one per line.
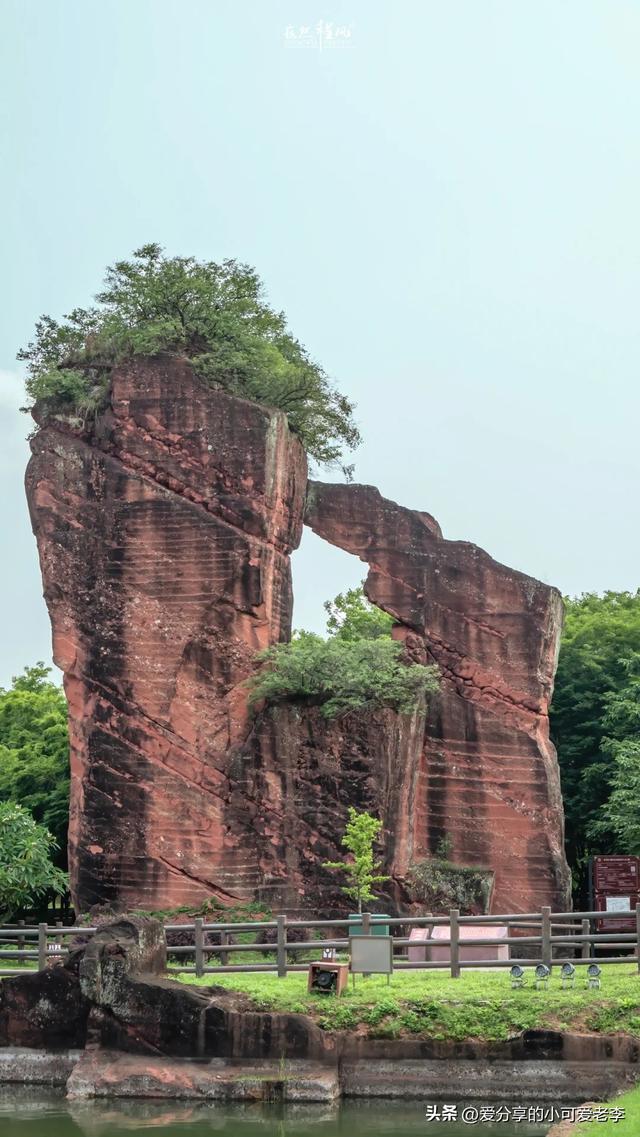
<point x="446" y="209"/>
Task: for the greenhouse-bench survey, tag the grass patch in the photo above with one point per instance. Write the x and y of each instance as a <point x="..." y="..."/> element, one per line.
<point x="429" y="1004"/>
<point x="629" y="1126"/>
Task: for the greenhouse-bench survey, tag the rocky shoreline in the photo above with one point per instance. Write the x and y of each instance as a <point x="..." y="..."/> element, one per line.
<point x="107" y="1023"/>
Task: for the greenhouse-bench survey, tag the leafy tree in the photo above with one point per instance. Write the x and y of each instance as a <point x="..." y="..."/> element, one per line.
<point x="341" y="675"/>
<point x="362" y="868"/>
<point x="26" y="869"/>
<point x="621" y="813"/>
<point x="352" y="617"/>
<point x="34" y="750"/>
<point x="601" y="634"/>
<point x="215" y="314"/>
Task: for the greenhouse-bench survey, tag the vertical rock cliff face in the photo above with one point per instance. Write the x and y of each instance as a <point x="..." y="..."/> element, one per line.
<point x="306" y="771"/>
<point x="164" y="530"/>
<point x="488" y="778"/>
<point x="165" y="526"/>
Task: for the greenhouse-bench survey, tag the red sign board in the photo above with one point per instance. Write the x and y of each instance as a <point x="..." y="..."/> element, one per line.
<point x="616" y="887"/>
<point x="616" y="875"/>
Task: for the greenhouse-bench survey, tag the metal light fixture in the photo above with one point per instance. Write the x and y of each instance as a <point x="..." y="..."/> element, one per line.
<point x="593" y="975"/>
<point x="542" y="975"/>
<point x="517" y="975"/>
<point x="567" y="974"/>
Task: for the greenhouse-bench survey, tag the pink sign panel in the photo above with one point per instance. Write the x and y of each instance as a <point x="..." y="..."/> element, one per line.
<point x="495" y="932"/>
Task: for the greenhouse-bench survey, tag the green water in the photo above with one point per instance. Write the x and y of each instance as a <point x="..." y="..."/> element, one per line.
<point x="34" y="1113"/>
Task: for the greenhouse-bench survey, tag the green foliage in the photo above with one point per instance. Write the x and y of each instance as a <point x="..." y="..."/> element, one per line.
<point x="216" y="315"/>
<point x="439" y="884"/>
<point x="429" y="1004"/>
<point x="34" y="750"/>
<point x="352" y="617"/>
<point x="361" y="870"/>
<point x="621" y="813"/>
<point x="26" y="869"/>
<point x="341" y="675"/>
<point x="601" y="635"/>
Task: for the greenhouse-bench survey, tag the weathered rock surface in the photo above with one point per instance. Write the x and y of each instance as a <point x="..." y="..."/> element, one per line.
<point x="164" y="530"/>
<point x="165" y="526"/>
<point x="488" y="777"/>
<point x="108" y="1074"/>
<point x="112" y="995"/>
<point x="307" y="770"/>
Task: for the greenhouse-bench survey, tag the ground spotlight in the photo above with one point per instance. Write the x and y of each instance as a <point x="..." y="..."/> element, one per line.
<point x="567" y="974"/>
<point x="542" y="975"/>
<point x="517" y="975"/>
<point x="593" y="975"/>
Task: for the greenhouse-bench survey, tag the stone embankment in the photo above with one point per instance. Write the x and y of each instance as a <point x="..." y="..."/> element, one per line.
<point x="108" y="1023"/>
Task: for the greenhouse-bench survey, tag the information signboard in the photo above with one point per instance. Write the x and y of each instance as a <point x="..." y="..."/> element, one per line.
<point x="371" y="955"/>
<point x="618" y="904"/>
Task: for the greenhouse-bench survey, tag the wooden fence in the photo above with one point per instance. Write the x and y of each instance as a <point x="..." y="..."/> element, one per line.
<point x="558" y="936"/>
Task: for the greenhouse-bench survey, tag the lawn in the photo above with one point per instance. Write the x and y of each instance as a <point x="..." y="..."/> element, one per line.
<point x="629" y="1126"/>
<point x="429" y="1004"/>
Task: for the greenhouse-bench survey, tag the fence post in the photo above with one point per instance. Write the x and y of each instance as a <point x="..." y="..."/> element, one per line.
<point x="638" y="935"/>
<point x="366" y="923"/>
<point x="454" y="936"/>
<point x="42" y="946"/>
<point x="281" y="946"/>
<point x="586" y="944"/>
<point x="21" y="924"/>
<point x="546" y="936"/>
<point x="199" y="942"/>
<point x="224" y="955"/>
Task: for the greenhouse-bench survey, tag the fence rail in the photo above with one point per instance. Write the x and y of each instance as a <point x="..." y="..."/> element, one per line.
<point x="562" y="930"/>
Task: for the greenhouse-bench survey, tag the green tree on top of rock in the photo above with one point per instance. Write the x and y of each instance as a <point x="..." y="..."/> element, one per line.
<point x="358" y="666"/>
<point x="213" y="313"/>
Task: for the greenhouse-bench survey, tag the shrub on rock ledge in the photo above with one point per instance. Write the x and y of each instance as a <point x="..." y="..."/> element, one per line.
<point x="341" y="675"/>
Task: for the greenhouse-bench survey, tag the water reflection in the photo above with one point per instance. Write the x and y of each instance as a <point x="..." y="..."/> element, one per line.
<point x="28" y="1112"/>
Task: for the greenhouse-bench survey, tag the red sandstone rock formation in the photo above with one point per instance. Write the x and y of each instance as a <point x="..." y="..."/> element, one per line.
<point x="164" y="528"/>
<point x="488" y="775"/>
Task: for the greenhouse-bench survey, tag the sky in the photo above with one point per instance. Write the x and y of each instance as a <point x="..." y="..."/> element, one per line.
<point x="443" y="198"/>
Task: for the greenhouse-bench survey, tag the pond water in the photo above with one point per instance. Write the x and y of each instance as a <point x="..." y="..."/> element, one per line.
<point x="34" y="1113"/>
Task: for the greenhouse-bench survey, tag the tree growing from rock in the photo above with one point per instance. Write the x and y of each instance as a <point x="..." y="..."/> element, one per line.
<point x="216" y="314"/>
<point x="358" y="666"/>
<point x="361" y="868"/>
<point x="340" y="676"/>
